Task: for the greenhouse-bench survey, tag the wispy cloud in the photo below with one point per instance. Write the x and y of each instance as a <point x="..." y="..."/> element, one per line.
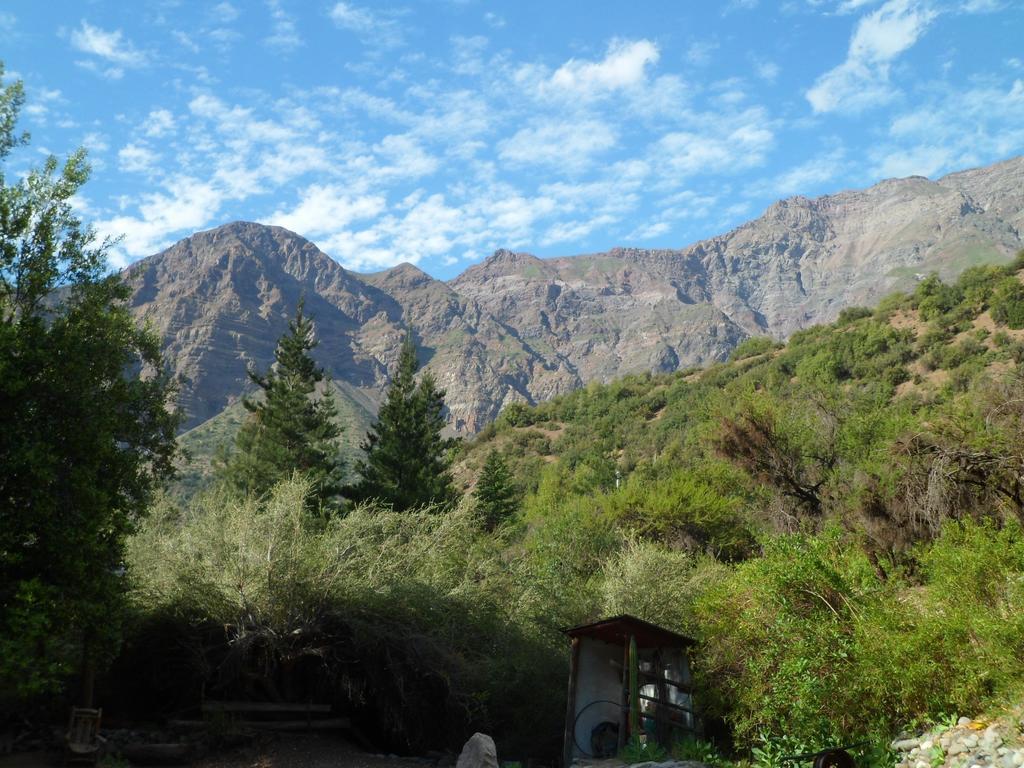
<point x="109" y="46"/>
<point x="284" y="36"/>
<point x="371" y="27"/>
<point x="135" y="158"/>
<point x="862" y="80"/>
<point x="569" y="145"/>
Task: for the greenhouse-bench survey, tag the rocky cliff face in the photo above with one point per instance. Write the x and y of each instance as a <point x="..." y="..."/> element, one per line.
<point x="521" y="328"/>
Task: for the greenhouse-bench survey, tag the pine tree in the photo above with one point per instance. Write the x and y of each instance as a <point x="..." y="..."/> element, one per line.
<point x="407" y="463"/>
<point x="496" y="494"/>
<point x="289" y="429"/>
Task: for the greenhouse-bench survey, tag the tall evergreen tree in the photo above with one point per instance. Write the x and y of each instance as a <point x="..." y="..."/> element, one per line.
<point x="289" y="428"/>
<point x="407" y="460"/>
<point x="496" y="494"/>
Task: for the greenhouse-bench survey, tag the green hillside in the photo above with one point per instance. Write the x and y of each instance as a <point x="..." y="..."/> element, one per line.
<point x="201" y="445"/>
<point x="824" y="427"/>
<point x="837" y="519"/>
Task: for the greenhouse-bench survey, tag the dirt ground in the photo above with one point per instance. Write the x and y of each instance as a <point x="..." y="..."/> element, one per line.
<point x="284" y="751"/>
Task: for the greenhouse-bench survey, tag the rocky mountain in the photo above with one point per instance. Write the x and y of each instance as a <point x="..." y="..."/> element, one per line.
<point x="520" y="328"/>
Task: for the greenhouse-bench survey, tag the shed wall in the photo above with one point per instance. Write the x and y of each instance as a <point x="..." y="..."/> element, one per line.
<point x="599" y="678"/>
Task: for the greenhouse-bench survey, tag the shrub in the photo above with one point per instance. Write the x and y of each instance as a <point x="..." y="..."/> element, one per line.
<point x="755" y="345"/>
<point x="411" y="621"/>
<point x="1007" y="305"/>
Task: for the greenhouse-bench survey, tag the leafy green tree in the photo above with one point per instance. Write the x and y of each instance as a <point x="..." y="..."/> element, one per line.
<point x="496" y="494"/>
<point x="289" y="429"/>
<point x="407" y="462"/>
<point x="85" y="437"/>
<point x="1008" y="303"/>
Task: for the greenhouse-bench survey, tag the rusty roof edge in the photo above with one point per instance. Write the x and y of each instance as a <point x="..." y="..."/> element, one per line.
<point x="626" y="617"/>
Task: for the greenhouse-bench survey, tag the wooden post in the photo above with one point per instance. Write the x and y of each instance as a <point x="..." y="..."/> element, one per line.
<point x="634" y="689"/>
<point x="624" y="697"/>
<point x="570" y="707"/>
<point x="663" y="724"/>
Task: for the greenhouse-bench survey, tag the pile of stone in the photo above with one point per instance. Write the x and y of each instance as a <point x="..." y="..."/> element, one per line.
<point x="968" y="744"/>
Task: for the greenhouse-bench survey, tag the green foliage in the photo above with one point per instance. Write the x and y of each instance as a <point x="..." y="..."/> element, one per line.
<point x="496" y="495"/>
<point x="447" y="633"/>
<point x="407" y="457"/>
<point x="637" y="751"/>
<point x="755" y="345"/>
<point x="657" y="584"/>
<point x="90" y="438"/>
<point x="807" y="643"/>
<point x="697" y="750"/>
<point x="289" y="429"/>
<point x="851" y="315"/>
<point x="516" y="415"/>
<point x="1008" y="303"/>
<point x="935" y="298"/>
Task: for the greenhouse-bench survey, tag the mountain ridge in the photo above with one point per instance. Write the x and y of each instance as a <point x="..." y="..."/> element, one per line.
<point x="516" y="327"/>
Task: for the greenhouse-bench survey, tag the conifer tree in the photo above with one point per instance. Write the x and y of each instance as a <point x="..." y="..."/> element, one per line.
<point x="289" y="429"/>
<point x="496" y="494"/>
<point x="407" y="463"/>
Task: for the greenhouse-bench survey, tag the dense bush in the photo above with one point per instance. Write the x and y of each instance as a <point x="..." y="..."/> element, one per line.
<point x="412" y="622"/>
<point x="1008" y="303"/>
<point x="755" y="345"/>
<point x="807" y="643"/>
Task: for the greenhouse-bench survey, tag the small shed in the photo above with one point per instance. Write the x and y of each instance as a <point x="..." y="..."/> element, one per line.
<point x="599" y="712"/>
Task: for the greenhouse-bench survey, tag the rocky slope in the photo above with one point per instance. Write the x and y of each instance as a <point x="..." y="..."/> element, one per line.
<point x="521" y="328"/>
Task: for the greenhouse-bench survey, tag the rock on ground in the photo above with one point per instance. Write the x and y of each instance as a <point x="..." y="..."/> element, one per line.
<point x="478" y="752"/>
<point x="968" y="744"/>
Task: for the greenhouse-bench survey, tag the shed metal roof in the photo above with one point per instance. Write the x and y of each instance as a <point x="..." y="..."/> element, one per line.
<point x="618" y="629"/>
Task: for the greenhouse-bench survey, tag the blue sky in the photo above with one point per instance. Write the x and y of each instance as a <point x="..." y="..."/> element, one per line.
<point x="436" y="132"/>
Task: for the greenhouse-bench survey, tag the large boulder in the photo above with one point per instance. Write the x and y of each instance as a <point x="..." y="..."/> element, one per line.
<point x="479" y="752"/>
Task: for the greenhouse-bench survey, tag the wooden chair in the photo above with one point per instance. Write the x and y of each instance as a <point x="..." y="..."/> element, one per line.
<point x="83" y="737"/>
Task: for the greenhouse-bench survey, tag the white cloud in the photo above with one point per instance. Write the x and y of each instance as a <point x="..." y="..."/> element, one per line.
<point x="135" y="158"/>
<point x="403" y="157"/>
<point x="188" y="204"/>
<point x="113" y="46"/>
<point x="914" y="161"/>
<point x="95" y="142"/>
<point x="681" y="154"/>
<point x="982" y="6"/>
<point x="324" y="209"/>
<point x="567" y="145"/>
<point x="850" y="6"/>
<point x="862" y="80"/>
<point x="224" y="13"/>
<point x="40" y="102"/>
<point x="624" y="66"/>
<point x="803" y="178"/>
<point x="284" y="37"/>
<point x="369" y="26"/>
<point x="954" y="129"/>
<point x="159" y="123"/>
<point x="699" y="52"/>
<point x="767" y="71"/>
